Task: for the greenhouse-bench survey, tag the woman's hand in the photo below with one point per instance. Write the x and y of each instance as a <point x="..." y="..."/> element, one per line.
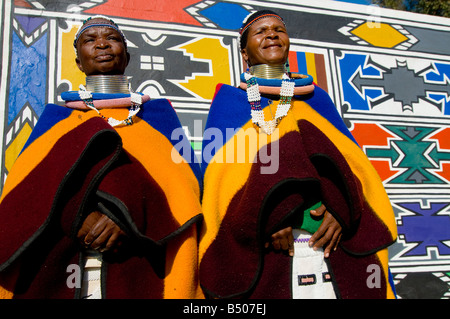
<point x="284" y="240"/>
<point x="328" y="234"/>
<point x="99" y="232"/>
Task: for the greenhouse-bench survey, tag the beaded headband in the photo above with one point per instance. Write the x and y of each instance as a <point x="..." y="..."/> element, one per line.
<point x="248" y="24"/>
<point x="86" y="26"/>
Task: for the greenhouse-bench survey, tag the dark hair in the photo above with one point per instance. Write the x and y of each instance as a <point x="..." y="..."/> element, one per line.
<point x="249" y="20"/>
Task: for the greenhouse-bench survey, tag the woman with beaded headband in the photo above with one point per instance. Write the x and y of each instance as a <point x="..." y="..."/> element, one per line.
<point x="91" y="208"/>
<point x="304" y="222"/>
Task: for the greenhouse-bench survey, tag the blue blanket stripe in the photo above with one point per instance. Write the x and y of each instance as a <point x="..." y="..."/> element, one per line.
<point x="160" y="114"/>
<point x="51" y="115"/>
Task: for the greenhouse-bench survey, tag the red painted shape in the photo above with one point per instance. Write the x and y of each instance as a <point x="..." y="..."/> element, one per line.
<point x="22" y="3"/>
<point x="373" y="135"/>
<point x="156" y="10"/>
<point x="443" y="138"/>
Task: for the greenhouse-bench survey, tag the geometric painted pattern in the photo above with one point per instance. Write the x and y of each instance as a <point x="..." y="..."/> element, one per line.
<point x="424" y="228"/>
<point x="412" y="154"/>
<point x="378" y="34"/>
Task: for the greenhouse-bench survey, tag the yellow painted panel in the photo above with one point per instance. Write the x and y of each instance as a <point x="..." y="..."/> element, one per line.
<point x="69" y="69"/>
<point x="16" y="146"/>
<point x="213" y="51"/>
<point x="379" y="34"/>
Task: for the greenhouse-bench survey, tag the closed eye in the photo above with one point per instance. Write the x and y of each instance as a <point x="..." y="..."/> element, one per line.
<point x="114" y="38"/>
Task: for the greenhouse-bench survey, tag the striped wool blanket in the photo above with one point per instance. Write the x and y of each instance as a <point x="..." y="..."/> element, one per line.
<point x="73" y="163"/>
<point x="256" y="184"/>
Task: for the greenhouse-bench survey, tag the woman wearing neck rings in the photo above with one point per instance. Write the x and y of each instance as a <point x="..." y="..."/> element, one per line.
<point x="304" y="221"/>
<point x="91" y="207"/>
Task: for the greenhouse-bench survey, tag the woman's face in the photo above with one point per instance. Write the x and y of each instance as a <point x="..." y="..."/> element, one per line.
<point x="267" y="43"/>
<point x="101" y="50"/>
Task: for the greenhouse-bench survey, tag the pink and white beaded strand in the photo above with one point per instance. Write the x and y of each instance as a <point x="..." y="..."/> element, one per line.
<point x="136" y="101"/>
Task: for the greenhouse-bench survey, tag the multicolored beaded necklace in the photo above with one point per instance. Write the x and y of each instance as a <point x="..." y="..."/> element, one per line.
<point x="136" y="101"/>
<point x="254" y="98"/>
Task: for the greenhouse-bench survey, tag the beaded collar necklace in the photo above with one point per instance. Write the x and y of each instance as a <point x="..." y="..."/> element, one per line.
<point x="254" y="98"/>
<point x="115" y="82"/>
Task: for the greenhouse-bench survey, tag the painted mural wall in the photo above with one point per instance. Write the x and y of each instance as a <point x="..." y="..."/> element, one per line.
<point x="387" y="71"/>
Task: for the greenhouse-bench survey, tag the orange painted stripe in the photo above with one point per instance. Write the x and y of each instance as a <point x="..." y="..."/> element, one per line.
<point x="293" y="64"/>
